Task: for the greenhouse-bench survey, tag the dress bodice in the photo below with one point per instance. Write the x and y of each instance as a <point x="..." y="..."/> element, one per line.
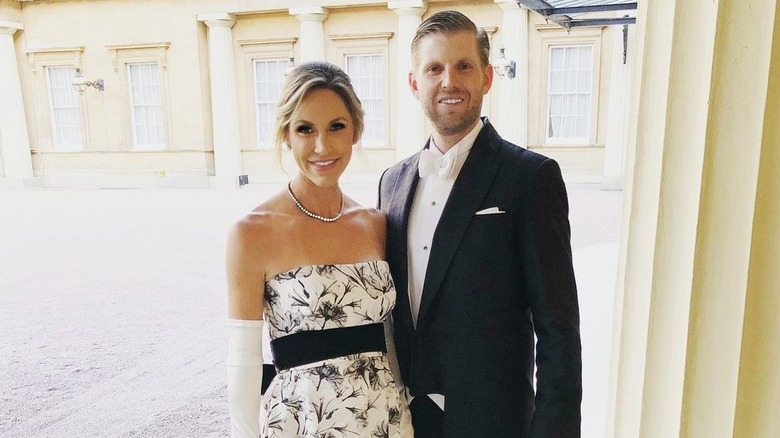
<point x="318" y="297"/>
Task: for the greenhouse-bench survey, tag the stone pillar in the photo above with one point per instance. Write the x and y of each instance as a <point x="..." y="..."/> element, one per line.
<point x="14" y="139"/>
<point x="224" y="102"/>
<point x="697" y="354"/>
<point x="619" y="91"/>
<point x="512" y="120"/>
<point x="312" y="37"/>
<point x="410" y="119"/>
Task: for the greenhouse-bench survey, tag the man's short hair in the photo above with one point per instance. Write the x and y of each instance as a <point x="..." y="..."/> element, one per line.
<point x="448" y="22"/>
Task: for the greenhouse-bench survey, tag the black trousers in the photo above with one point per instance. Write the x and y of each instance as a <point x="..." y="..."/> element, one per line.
<point x="427" y="418"/>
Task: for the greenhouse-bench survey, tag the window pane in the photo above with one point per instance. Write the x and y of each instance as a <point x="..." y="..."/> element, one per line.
<point x="556" y="59"/>
<point x="582" y="126"/>
<point x="146" y="105"/>
<point x="269" y="78"/>
<point x="583" y="79"/>
<point x="569" y="91"/>
<point x="556" y="82"/>
<point x="65" y="104"/>
<point x="367" y="75"/>
<point x="571" y="58"/>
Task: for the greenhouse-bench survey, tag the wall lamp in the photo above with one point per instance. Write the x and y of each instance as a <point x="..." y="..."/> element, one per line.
<point x="80" y="83"/>
<point x="504" y="66"/>
<point x="290" y="66"/>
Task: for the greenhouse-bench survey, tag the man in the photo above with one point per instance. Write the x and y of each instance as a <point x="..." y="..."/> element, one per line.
<point x="479" y="247"/>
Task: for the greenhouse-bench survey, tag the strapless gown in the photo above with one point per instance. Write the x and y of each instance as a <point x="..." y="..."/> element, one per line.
<point x="349" y="396"/>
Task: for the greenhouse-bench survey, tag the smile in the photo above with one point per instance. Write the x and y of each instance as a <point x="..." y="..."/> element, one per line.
<point x="323" y="164"/>
<point x="451" y="101"/>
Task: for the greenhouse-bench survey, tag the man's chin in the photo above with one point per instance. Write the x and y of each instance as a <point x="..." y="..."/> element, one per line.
<point x="455" y="127"/>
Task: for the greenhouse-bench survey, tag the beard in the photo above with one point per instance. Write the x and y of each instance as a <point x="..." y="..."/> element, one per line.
<point x="451" y="124"/>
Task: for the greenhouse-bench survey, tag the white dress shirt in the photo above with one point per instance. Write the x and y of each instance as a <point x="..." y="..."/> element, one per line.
<point x="427" y="206"/>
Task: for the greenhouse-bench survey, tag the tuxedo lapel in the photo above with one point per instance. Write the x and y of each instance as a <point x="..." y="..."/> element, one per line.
<point x="467" y="193"/>
<point x="398" y="212"/>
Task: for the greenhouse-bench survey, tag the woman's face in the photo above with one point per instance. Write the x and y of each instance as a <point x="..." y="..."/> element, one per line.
<point x="321" y="135"/>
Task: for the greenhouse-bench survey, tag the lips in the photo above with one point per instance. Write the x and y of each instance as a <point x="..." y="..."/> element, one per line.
<point x="322" y="164"/>
<point x="451" y="100"/>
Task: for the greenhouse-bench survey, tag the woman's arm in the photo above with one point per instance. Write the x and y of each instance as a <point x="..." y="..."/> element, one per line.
<point x="245" y="287"/>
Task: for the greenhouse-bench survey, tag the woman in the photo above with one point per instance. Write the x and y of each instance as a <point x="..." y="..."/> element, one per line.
<point x="309" y="262"/>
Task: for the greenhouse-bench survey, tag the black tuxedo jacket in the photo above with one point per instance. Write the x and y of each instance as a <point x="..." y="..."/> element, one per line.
<point x="493" y="282"/>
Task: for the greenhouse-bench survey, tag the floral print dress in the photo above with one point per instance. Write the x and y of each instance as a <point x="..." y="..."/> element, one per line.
<point x="350" y="396"/>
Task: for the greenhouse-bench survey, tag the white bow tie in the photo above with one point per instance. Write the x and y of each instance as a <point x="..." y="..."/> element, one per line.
<point x="432" y="163"/>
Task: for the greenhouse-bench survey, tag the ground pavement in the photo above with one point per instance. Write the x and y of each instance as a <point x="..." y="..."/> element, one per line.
<point x="112" y="307"/>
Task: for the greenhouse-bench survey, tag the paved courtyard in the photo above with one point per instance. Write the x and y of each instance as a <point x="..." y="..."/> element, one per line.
<point x="112" y="307"/>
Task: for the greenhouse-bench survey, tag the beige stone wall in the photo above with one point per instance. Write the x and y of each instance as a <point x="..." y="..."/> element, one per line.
<point x="10" y="10"/>
<point x="590" y="155"/>
<point x="100" y="37"/>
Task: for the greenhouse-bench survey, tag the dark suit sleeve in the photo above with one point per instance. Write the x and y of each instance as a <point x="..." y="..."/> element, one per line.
<point x="552" y="293"/>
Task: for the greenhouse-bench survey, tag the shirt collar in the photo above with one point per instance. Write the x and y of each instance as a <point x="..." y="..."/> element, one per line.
<point x="462" y="147"/>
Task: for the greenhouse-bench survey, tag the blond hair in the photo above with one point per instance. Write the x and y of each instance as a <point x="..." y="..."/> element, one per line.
<point x="316" y="75"/>
<point x="449" y="22"/>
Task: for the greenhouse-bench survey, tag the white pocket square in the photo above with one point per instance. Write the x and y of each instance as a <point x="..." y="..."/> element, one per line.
<point x="491" y="210"/>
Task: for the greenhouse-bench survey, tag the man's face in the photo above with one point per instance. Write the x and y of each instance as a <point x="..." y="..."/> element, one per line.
<point x="449" y="81"/>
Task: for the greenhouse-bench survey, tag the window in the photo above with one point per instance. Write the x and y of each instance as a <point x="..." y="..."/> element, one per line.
<point x="146" y="109"/>
<point x="65" y="105"/>
<point x="142" y="78"/>
<point x="62" y="113"/>
<point x="268" y="79"/>
<point x="365" y="71"/>
<point x="569" y="94"/>
<point x="363" y="56"/>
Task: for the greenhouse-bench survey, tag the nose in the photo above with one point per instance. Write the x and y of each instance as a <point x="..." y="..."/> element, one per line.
<point x="321" y="144"/>
<point x="447" y="78"/>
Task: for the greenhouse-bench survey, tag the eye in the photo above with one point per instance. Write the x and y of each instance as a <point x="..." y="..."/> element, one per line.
<point x="433" y="69"/>
<point x="304" y="129"/>
<point x="466" y="66"/>
<point x="338" y="126"/>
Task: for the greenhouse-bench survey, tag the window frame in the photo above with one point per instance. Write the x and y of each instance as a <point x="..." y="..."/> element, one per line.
<point x="373" y="143"/>
<point x="369" y="44"/>
<point x="258" y="49"/>
<point x="124" y="55"/>
<point x="39" y="60"/>
<point x="132" y="106"/>
<point x="575" y="139"/>
<point x="52" y="111"/>
<point x="555" y="37"/>
<point x="268" y="142"/>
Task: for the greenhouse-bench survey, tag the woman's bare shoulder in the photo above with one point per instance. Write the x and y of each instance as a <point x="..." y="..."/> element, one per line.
<point x="257" y="228"/>
<point x="369" y="222"/>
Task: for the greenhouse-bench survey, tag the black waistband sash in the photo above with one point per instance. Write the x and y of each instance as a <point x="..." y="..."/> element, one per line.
<point x="316" y="345"/>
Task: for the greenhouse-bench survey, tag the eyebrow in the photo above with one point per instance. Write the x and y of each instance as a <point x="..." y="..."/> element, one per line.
<point x="459" y="61"/>
<point x="337" y="119"/>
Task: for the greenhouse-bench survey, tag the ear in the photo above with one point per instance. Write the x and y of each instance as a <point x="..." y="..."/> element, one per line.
<point x="413" y="84"/>
<point x="488" y="81"/>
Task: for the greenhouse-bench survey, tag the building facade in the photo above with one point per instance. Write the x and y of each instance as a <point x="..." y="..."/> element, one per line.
<point x="188" y="88"/>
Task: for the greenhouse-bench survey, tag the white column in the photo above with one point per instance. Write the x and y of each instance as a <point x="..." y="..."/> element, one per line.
<point x="14" y="140"/>
<point x="512" y="120"/>
<point x="619" y="93"/>
<point x="410" y="120"/>
<point x="698" y="353"/>
<point x="312" y="37"/>
<point x="224" y="102"/>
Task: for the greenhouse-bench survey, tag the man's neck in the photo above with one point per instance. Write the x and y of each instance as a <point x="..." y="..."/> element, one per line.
<point x="446" y="142"/>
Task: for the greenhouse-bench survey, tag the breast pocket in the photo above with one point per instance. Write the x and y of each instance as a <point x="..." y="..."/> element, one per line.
<point x="489" y="233"/>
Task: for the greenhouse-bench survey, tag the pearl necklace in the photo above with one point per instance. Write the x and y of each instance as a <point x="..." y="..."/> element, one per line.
<point x="312" y="215"/>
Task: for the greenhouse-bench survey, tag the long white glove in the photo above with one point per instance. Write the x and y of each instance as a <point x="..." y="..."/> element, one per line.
<point x="245" y="376"/>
